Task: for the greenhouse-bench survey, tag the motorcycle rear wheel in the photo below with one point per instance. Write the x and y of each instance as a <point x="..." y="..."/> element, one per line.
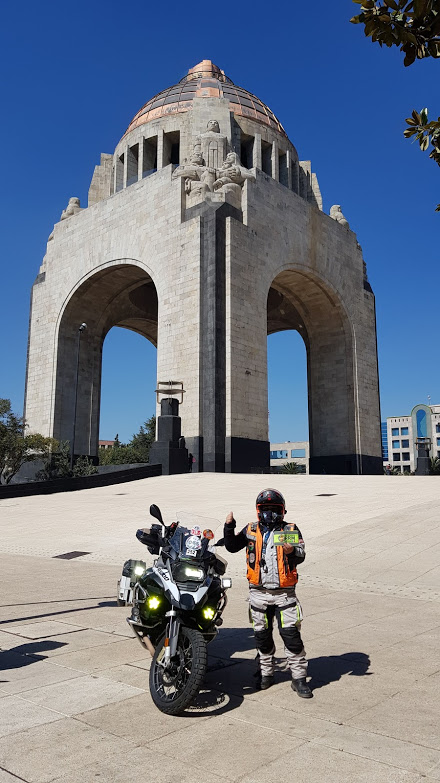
<point x="173" y="689"/>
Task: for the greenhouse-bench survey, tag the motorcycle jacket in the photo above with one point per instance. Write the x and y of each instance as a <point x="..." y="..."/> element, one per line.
<point x="268" y="566"/>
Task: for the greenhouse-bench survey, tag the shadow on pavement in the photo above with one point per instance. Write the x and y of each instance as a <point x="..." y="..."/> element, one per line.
<point x="61" y="612"/>
<point x="330" y="668"/>
<point x="25" y="654"/>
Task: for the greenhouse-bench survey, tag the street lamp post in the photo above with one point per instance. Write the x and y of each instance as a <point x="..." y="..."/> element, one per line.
<point x="78" y="346"/>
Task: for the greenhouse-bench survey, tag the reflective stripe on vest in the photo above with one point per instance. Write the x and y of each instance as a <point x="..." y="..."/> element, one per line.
<point x="287" y="577"/>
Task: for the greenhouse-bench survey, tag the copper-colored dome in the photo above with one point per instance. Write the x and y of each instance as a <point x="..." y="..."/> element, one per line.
<point x="205" y="80"/>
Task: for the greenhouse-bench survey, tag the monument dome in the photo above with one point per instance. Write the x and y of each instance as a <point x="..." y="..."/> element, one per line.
<point x="205" y="80"/>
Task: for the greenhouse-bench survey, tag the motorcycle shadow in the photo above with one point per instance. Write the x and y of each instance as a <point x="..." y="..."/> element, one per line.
<point x="228" y="679"/>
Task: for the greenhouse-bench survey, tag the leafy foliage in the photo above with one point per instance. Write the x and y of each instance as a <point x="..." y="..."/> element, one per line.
<point x="426" y="133"/>
<point x="57" y="464"/>
<point x="291" y="467"/>
<point x="84" y="467"/>
<point x="16" y="447"/>
<point x="137" y="450"/>
<point x="146" y="436"/>
<point x="414" y="26"/>
<point x="434" y="468"/>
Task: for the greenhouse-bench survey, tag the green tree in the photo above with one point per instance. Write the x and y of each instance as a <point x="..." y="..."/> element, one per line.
<point x="434" y="467"/>
<point x="84" y="467"/>
<point x="16" y="447"/>
<point x="57" y="464"/>
<point x="291" y="467"/>
<point x="143" y="440"/>
<point x="414" y="27"/>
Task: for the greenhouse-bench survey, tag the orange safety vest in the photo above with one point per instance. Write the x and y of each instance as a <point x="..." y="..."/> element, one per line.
<point x="288" y="577"/>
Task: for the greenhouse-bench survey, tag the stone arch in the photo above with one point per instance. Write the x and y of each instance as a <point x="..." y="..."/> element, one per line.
<point x="120" y="293"/>
<point x="301" y="300"/>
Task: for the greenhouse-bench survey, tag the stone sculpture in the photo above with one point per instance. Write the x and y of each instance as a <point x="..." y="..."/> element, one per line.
<point x="72" y="208"/>
<point x="231" y="176"/>
<point x="201" y="178"/>
<point x="336" y="214"/>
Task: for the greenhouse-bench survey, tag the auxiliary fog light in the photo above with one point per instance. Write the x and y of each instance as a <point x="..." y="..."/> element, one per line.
<point x="208" y="613"/>
<point x="139" y="570"/>
<point x="153" y="602"/>
<point x="226" y="582"/>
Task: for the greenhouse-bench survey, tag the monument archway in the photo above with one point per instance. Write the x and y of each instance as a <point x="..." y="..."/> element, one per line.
<point x="299" y="300"/>
<point x="121" y="295"/>
<point x="207" y="192"/>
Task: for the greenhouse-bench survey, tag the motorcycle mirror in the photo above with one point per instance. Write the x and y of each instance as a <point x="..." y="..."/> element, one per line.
<point x="155" y="512"/>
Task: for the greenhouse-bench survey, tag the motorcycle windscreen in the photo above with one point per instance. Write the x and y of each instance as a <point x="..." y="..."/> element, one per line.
<point x="205" y="527"/>
<point x="189" y="543"/>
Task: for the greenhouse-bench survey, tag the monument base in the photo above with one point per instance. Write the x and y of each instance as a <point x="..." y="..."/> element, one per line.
<point x="346" y="465"/>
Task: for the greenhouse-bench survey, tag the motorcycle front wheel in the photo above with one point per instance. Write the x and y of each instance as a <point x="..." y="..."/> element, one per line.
<point x="172" y="689"/>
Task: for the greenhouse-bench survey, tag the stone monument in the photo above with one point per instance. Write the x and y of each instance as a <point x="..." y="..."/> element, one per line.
<point x="204" y="233"/>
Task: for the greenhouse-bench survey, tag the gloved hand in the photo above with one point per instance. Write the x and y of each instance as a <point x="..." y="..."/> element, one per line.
<point x="230" y="518"/>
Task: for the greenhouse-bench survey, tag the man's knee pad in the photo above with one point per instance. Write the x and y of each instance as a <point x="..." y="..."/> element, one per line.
<point x="264" y="641"/>
<point x="292" y="639"/>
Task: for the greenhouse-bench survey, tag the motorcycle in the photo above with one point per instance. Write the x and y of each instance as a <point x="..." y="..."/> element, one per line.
<point x="177" y="608"/>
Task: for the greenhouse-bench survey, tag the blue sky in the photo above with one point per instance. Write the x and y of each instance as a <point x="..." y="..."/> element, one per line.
<point x="74" y="75"/>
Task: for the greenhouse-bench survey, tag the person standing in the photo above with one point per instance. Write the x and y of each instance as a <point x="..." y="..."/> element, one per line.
<point x="272" y="575"/>
<point x="190" y="462"/>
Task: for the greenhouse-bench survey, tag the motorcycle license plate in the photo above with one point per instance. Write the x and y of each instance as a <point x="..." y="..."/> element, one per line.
<point x="286" y="538"/>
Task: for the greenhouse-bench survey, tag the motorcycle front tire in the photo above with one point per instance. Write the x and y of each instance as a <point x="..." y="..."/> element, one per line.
<point x="188" y="639"/>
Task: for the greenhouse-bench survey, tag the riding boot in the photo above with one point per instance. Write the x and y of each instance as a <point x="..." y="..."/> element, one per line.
<point x="301" y="688"/>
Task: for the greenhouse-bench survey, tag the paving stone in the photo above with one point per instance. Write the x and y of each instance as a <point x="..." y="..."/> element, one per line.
<point x="219" y="736"/>
<point x="42" y="753"/>
<point x="17" y="714"/>
<point x="313" y="763"/>
<point x="82" y="693"/>
<point x="37" y="674"/>
<point x="41" y="630"/>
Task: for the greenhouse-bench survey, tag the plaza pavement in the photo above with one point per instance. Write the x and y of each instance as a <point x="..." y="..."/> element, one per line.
<point x="74" y="700"/>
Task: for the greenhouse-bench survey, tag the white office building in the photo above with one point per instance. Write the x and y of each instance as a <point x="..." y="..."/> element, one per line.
<point x="403" y="431"/>
<point x="290" y="451"/>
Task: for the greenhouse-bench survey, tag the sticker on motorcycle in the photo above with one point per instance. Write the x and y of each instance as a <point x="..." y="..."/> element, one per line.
<point x="195" y="531"/>
<point x="191" y="552"/>
<point x="193" y="542"/>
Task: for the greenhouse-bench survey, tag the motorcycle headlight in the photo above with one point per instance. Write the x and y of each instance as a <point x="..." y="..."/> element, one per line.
<point x="153" y="602"/>
<point x="194" y="573"/>
<point x="226" y="582"/>
<point x="185" y="572"/>
<point x="139" y="570"/>
<point x="208" y="613"/>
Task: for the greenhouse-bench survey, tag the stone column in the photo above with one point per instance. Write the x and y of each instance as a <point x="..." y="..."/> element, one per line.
<point x="257" y="151"/>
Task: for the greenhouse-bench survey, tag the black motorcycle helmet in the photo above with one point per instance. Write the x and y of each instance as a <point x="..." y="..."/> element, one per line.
<point x="271" y="507"/>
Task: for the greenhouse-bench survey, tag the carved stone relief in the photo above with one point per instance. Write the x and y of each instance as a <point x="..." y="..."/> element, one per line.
<point x="212" y="170"/>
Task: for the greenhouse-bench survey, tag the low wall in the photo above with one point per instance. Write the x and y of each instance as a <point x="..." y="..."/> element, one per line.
<point x="83" y="482"/>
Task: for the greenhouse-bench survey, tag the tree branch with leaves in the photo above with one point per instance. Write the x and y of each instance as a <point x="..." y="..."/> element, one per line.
<point x="415" y="28"/>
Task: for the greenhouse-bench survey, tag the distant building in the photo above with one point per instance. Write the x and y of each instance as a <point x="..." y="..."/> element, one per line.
<point x="106" y="444"/>
<point x="383" y="429"/>
<point x="402" y="432"/>
<point x="290" y="451"/>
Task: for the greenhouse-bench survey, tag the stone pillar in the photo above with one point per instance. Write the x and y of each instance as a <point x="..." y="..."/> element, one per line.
<point x="275" y="162"/>
<point x="289" y="169"/>
<point x="124" y="184"/>
<point x="141" y="159"/>
<point x="169" y="450"/>
<point x="160" y="148"/>
<point x="257" y="151"/>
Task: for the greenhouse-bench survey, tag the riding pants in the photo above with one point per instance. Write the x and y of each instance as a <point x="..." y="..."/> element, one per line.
<point x="283" y="604"/>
